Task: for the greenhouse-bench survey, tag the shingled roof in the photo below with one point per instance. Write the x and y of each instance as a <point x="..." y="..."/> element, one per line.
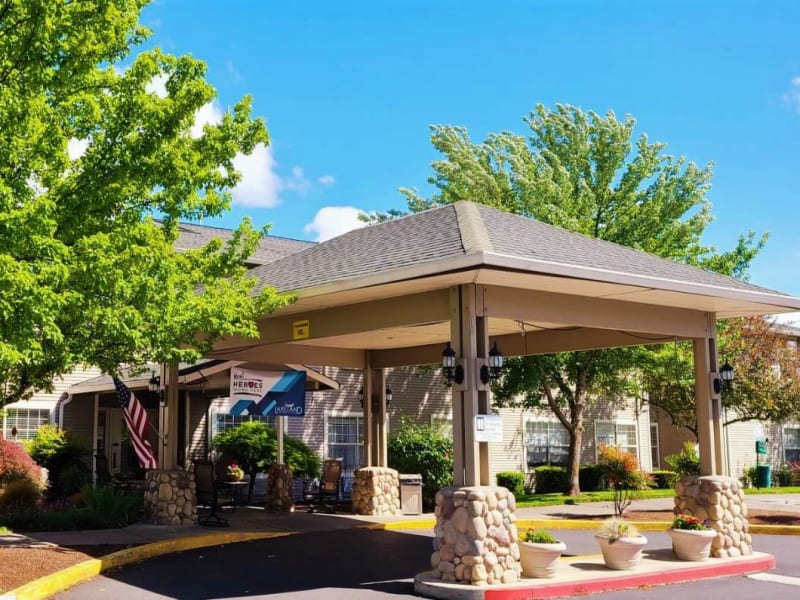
<point x="270" y="248"/>
<point x="465" y="229"/>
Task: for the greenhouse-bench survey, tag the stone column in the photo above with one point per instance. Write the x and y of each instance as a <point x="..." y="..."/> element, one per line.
<point x="475" y="536"/>
<point x="720" y="502"/>
<point x="376" y="492"/>
<point x="279" y="489"/>
<point x="170" y="497"/>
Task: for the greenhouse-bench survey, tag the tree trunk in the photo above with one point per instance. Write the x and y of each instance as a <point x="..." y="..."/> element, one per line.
<point x="574" y="461"/>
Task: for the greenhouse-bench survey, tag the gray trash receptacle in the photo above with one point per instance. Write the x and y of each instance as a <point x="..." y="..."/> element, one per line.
<point x="411" y="494"/>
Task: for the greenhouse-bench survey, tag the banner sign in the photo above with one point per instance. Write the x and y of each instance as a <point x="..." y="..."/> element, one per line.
<point x="278" y="393"/>
<point x="488" y="428"/>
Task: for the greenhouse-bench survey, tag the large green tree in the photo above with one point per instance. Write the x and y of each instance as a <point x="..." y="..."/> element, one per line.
<point x="587" y="173"/>
<point x="86" y="274"/>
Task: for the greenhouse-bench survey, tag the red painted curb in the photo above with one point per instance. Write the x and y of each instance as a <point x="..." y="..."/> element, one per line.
<point x="634" y="580"/>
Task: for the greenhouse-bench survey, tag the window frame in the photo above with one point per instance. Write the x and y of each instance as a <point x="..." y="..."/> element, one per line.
<point x="795" y="449"/>
<point x="550" y="424"/>
<point x="632" y="448"/>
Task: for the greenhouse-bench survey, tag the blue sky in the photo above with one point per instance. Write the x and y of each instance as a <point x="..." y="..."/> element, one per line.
<point x="349" y="90"/>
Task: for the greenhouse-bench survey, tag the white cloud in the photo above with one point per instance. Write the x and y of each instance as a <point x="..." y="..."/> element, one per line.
<point x="297" y="182"/>
<point x="76" y="148"/>
<point x="793" y="95"/>
<point x="326" y="180"/>
<point x="158" y="85"/>
<point x="235" y="75"/>
<point x="260" y="184"/>
<point x="331" y="221"/>
<point x="208" y="114"/>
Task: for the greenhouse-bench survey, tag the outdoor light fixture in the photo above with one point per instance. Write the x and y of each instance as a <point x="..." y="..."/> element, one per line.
<point x="156" y="391"/>
<point x="491" y="372"/>
<point x="452" y="371"/>
<point x="725" y="379"/>
<point x="375" y="402"/>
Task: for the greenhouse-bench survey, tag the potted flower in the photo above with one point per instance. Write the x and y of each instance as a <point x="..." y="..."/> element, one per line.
<point x="691" y="537"/>
<point x="235" y="472"/>
<point x="539" y="553"/>
<point x="621" y="544"/>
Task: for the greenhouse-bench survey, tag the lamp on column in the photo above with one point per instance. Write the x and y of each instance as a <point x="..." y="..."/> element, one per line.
<point x="451" y="370"/>
<point x="725" y="379"/>
<point x="375" y="402"/>
<point x="491" y="372"/>
<point x="154" y="386"/>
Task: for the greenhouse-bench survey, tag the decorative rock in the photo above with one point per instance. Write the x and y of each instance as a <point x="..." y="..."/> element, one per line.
<point x="376" y="492"/>
<point x="170" y="498"/>
<point x="721" y="501"/>
<point x="474" y="531"/>
<point x="279" y="489"/>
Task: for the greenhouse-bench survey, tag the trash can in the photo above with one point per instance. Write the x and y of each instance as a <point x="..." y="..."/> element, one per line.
<point x="763" y="476"/>
<point x="411" y="494"/>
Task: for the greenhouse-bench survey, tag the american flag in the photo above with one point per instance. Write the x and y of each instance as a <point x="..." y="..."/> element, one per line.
<point x="138" y="422"/>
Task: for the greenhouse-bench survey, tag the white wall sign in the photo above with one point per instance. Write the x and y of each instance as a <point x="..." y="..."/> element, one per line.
<point x="488" y="428"/>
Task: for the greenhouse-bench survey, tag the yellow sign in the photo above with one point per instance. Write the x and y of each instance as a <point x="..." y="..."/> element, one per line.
<point x="300" y="330"/>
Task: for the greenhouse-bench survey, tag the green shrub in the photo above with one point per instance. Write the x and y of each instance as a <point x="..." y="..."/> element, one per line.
<point x="749" y="476"/>
<point x="15" y="464"/>
<point x="19" y="495"/>
<point x="61" y="454"/>
<point x="590" y="478"/>
<point x="423" y="449"/>
<point x="685" y="462"/>
<point x="621" y="473"/>
<point x="512" y="481"/>
<point x="111" y="508"/>
<point x="550" y="480"/>
<point x="538" y="536"/>
<point x="664" y="480"/>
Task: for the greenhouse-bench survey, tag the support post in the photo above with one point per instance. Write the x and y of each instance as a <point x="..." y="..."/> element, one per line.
<point x="280" y="424"/>
<point x="709" y="427"/>
<point x="367" y="408"/>
<point x="168" y="418"/>
<point x="380" y="443"/>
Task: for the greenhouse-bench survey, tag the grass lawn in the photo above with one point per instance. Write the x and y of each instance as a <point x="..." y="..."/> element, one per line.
<point x="608" y="496"/>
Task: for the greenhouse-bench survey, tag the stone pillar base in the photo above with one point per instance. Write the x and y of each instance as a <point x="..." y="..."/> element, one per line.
<point x="376" y="492"/>
<point x="720" y="502"/>
<point x="279" y="489"/>
<point x="170" y="498"/>
<point x="475" y="536"/>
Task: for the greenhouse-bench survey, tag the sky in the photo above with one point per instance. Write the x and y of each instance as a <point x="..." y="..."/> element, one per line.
<point x="350" y="88"/>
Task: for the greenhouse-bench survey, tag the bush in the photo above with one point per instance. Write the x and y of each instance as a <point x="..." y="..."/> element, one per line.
<point x="686" y="462"/>
<point x="621" y="473"/>
<point x="110" y="507"/>
<point x="15" y="464"/>
<point x="749" y="476"/>
<point x="590" y="478"/>
<point x="512" y="481"/>
<point x="61" y="454"/>
<point x="664" y="480"/>
<point x="19" y="495"/>
<point x="423" y="449"/>
<point x="550" y="480"/>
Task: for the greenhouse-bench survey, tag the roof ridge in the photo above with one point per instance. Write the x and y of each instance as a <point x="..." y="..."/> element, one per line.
<point x="474" y="234"/>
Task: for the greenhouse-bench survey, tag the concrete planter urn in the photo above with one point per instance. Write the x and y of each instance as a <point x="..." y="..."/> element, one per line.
<point x="621" y="544"/>
<point x="540" y="559"/>
<point x="691" y="538"/>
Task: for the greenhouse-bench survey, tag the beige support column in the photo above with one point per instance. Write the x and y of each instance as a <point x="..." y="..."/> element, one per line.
<point x="484" y="395"/>
<point x="280" y="424"/>
<point x="463" y="331"/>
<point x="95" y="425"/>
<point x="381" y="440"/>
<point x="708" y="424"/>
<point x="367" y="408"/>
<point x="168" y="419"/>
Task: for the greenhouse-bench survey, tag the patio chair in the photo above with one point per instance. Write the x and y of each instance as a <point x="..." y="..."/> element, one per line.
<point x="329" y="487"/>
<point x="210" y="494"/>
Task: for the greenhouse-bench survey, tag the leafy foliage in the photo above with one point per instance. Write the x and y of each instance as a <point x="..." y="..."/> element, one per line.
<point x="538" y="536"/>
<point x="584" y="172"/>
<point x="16" y="464"/>
<point x="550" y="479"/>
<point x="254" y="446"/>
<point x="21" y="494"/>
<point x="87" y="275"/>
<point x="615" y="528"/>
<point x="513" y="481"/>
<point x="621" y="473"/>
<point x="664" y="480"/>
<point x="591" y="478"/>
<point x="688" y="522"/>
<point x="685" y="462"/>
<point x="60" y="453"/>
<point x="423" y="449"/>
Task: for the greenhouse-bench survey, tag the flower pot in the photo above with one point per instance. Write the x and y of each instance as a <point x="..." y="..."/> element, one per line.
<point x="689" y="544"/>
<point x="623" y="553"/>
<point x="540" y="560"/>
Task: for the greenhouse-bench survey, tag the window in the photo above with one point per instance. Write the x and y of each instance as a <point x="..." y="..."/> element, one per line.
<point x="791" y="443"/>
<point x="344" y="435"/>
<point x="616" y="434"/>
<point x="546" y="443"/>
<point x="223" y="421"/>
<point x="655" y="451"/>
<point x="26" y="421"/>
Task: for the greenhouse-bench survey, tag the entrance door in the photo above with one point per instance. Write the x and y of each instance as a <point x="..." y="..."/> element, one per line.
<point x="122" y="459"/>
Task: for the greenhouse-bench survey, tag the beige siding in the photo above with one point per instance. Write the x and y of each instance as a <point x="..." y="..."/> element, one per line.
<point x="79" y="417"/>
<point x="510" y="454"/>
